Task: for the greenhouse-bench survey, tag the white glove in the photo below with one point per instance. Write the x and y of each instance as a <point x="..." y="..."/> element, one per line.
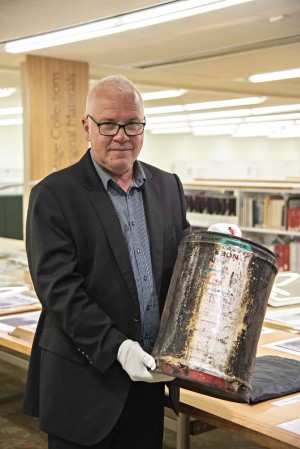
<point x="226" y="228"/>
<point x="136" y="362"/>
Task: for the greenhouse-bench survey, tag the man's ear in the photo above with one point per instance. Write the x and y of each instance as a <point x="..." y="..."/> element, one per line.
<point x="86" y="128"/>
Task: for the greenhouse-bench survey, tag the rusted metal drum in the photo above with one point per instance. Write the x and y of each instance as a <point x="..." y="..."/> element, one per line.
<point x="214" y="313"/>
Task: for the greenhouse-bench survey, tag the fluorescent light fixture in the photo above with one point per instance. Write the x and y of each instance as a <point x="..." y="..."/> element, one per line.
<point x="205" y="105"/>
<point x="270" y="118"/>
<point x="289" y="132"/>
<point x="11" y="111"/>
<point x="163" y="94"/>
<point x="268" y="129"/>
<point x="171" y="130"/>
<point x="214" y="130"/>
<point x="167" y="119"/>
<point x="276" y="109"/>
<point x="232" y="122"/>
<point x="7" y="91"/>
<point x="275" y="76"/>
<point x="166" y="125"/>
<point x="216" y="115"/>
<point x="11" y="121"/>
<point x="221" y="114"/>
<point x="117" y="24"/>
<point x="225" y="121"/>
<point x="224" y="103"/>
<point x="164" y="109"/>
<point x="250" y="133"/>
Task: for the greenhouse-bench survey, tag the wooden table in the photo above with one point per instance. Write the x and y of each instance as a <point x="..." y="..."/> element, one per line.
<point x="12" y="349"/>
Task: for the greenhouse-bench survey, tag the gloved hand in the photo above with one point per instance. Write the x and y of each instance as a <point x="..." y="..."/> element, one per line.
<point x="226" y="228"/>
<point x="138" y="363"/>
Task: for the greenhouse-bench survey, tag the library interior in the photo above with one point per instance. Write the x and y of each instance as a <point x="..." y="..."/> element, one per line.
<point x="220" y="86"/>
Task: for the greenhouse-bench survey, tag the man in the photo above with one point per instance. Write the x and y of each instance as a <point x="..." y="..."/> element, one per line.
<point x="102" y="238"/>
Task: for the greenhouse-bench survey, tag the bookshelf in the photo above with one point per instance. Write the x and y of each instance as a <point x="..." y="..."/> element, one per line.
<point x="267" y="212"/>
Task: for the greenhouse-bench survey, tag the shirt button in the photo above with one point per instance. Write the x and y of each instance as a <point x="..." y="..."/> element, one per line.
<point x="136" y="318"/>
<point x="132" y="223"/>
<point x="148" y="307"/>
<point x="138" y="250"/>
<point x="146" y="337"/>
<point x="145" y="278"/>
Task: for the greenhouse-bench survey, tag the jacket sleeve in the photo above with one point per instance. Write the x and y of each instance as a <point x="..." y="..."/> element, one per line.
<point x="52" y="259"/>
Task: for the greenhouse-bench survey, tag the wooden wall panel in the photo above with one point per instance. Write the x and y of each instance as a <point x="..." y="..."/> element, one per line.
<point x="54" y="102"/>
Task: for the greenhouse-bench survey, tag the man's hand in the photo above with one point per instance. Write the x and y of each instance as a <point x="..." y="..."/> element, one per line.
<point x="138" y="364"/>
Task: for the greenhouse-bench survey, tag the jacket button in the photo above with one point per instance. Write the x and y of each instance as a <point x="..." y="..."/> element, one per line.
<point x="136" y="318"/>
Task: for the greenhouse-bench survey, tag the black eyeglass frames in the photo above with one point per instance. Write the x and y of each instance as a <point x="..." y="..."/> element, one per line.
<point x="112" y="129"/>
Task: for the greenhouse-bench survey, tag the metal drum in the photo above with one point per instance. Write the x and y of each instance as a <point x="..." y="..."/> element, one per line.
<point x="214" y="313"/>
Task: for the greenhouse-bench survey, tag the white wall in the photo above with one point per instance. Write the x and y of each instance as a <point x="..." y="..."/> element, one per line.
<point x="223" y="157"/>
<point x="11" y="154"/>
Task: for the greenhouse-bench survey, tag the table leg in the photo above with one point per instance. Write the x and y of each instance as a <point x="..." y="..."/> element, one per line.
<point x="183" y="432"/>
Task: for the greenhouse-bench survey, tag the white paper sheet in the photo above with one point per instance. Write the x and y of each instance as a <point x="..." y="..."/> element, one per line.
<point x="292" y="426"/>
<point x="287" y="401"/>
<point x="9" y="322"/>
<point x="287" y="317"/>
<point x="291" y="346"/>
<point x="14" y="298"/>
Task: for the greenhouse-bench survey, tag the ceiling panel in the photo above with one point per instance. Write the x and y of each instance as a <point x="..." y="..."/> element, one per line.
<point x="211" y="55"/>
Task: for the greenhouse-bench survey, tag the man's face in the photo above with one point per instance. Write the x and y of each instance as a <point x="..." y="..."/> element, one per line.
<point x="115" y="154"/>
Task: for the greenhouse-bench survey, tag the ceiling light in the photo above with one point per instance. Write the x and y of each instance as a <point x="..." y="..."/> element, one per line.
<point x="166" y="125"/>
<point x="213" y="130"/>
<point x="205" y="105"/>
<point x="164" y="109"/>
<point x="11" y="111"/>
<point x="163" y="94"/>
<point x="225" y="121"/>
<point x="11" y="121"/>
<point x="250" y="133"/>
<point x="167" y="118"/>
<point x="171" y="130"/>
<point x="7" y="91"/>
<point x="220" y="114"/>
<point x="117" y="24"/>
<point x="224" y="103"/>
<point x="276" y="109"/>
<point x="263" y="129"/>
<point x="275" y="76"/>
<point x="275" y="117"/>
<point x="288" y="132"/>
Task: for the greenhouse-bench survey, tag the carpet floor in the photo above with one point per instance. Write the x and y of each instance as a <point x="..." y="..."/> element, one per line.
<point x="18" y="431"/>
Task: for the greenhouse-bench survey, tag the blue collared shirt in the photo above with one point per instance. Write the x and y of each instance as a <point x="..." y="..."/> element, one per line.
<point x="129" y="208"/>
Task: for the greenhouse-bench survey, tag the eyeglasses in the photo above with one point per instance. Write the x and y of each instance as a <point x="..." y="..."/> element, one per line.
<point x="112" y="129"/>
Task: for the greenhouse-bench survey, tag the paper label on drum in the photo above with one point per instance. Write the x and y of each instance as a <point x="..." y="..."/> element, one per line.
<point x="219" y="319"/>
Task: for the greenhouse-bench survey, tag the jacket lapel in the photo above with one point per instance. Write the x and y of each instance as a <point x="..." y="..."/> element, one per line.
<point x="153" y="214"/>
<point x="109" y="220"/>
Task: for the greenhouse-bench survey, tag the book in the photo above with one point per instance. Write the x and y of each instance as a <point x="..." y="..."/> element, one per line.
<point x="293" y="213"/>
<point x="283" y="253"/>
<point x="295" y="256"/>
<point x="273" y="211"/>
<point x="285" y="290"/>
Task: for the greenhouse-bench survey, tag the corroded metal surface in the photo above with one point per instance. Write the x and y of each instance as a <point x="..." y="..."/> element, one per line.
<point x="214" y="310"/>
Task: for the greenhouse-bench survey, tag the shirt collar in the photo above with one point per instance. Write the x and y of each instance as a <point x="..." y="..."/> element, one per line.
<point x="139" y="176"/>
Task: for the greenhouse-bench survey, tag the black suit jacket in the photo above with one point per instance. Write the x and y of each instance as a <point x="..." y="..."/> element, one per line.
<point x="82" y="275"/>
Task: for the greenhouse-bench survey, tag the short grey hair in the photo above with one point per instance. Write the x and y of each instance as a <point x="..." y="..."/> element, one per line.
<point x="117" y="84"/>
